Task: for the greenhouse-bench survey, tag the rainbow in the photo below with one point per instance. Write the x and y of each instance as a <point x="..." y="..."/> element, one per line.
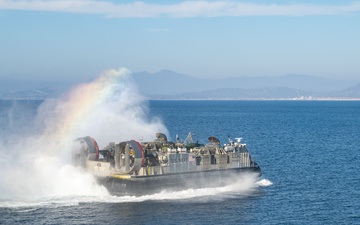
<point x="70" y="112"/>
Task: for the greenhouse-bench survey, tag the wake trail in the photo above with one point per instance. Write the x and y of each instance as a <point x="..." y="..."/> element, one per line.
<point x="240" y="189"/>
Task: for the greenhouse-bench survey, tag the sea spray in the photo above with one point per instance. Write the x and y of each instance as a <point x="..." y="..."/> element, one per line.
<point x="37" y="162"/>
<point x="264" y="183"/>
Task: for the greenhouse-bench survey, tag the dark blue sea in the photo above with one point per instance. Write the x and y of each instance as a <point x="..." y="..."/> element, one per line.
<point x="309" y="153"/>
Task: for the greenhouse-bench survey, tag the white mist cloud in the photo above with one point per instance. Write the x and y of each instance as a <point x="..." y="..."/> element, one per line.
<point x="36" y="163"/>
<point x="182" y="9"/>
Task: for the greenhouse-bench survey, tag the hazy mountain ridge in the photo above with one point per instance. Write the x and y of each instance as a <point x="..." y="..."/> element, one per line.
<point x="353" y="91"/>
<point x="163" y="82"/>
<point x="167" y="84"/>
<point x="239" y="93"/>
<point x="160" y="85"/>
<point x="11" y="85"/>
<point x="33" y="94"/>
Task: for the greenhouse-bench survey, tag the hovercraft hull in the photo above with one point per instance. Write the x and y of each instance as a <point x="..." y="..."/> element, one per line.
<point x="143" y="185"/>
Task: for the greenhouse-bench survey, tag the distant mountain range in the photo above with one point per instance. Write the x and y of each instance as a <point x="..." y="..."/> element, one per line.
<point x="35" y="93"/>
<point x="171" y="82"/>
<point x="32" y="89"/>
<point x="167" y="84"/>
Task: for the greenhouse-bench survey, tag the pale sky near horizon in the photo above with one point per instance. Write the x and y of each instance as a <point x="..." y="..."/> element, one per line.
<point x="62" y="40"/>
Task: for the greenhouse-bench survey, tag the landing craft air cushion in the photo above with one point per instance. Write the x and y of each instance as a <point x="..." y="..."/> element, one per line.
<point x="137" y="168"/>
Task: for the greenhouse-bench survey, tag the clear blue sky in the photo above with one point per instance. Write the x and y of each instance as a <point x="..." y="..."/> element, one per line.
<point x="76" y="40"/>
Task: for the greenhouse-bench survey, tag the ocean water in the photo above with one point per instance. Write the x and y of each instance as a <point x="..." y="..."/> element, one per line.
<point x="308" y="152"/>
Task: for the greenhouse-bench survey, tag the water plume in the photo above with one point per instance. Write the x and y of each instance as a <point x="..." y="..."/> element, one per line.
<point x="36" y="162"/>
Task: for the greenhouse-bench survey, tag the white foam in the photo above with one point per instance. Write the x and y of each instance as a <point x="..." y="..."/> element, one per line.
<point x="264" y="183"/>
<point x="242" y="187"/>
